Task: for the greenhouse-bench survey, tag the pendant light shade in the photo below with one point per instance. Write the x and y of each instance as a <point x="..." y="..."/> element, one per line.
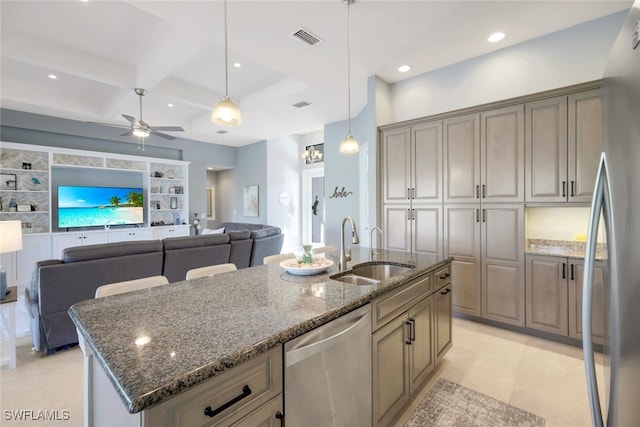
<point x="349" y="144"/>
<point x="226" y="112"/>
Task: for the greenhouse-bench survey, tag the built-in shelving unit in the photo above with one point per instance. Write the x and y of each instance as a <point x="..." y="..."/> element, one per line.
<point x="30" y="173"/>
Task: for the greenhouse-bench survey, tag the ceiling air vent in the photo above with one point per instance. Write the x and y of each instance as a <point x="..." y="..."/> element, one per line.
<point x="222" y="132"/>
<point x="301" y="104"/>
<point x="306" y="37"/>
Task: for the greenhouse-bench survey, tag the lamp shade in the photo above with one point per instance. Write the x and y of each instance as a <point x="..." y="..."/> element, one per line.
<point x="226" y="113"/>
<point x="349" y="145"/>
<point x="10" y="236"/>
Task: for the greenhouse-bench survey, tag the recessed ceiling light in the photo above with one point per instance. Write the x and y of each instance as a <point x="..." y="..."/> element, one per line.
<point x="237" y="64"/>
<point x="170" y="105"/>
<point x="53" y="77"/>
<point x="404" y="68"/>
<point x="496" y="37"/>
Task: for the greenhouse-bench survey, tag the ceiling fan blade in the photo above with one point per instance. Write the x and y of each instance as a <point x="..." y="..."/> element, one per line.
<point x="128" y="133"/>
<point x="162" y="135"/>
<point x="131" y="120"/>
<point x="169" y="128"/>
<point x="109" y="124"/>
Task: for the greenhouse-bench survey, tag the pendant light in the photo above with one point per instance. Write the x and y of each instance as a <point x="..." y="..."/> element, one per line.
<point x="226" y="113"/>
<point x="349" y="144"/>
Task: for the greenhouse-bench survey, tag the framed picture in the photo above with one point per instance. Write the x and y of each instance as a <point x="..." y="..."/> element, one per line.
<point x="251" y="201"/>
<point x="24" y="208"/>
<point x="8" y="181"/>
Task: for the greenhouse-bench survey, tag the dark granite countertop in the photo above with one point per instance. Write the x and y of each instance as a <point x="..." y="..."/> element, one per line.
<point x="200" y="328"/>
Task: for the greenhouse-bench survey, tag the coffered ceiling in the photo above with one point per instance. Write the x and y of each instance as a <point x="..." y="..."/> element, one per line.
<point x="101" y="50"/>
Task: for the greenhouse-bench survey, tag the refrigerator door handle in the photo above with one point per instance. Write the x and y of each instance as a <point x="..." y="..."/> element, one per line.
<point x="601" y="203"/>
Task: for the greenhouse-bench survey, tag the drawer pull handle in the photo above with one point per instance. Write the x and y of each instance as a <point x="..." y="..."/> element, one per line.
<point x="444" y="276"/>
<point x="413" y="329"/>
<point x="246" y="391"/>
<point x="572" y="276"/>
<point x="408" y="339"/>
<point x="280" y="416"/>
<point x="564" y="188"/>
<point x="573" y="189"/>
<point x="564" y="270"/>
<point x="446" y="291"/>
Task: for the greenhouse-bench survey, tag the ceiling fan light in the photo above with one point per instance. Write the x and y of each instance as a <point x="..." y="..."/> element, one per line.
<point x="142" y="133"/>
<point x="349" y="145"/>
<point x="226" y="113"/>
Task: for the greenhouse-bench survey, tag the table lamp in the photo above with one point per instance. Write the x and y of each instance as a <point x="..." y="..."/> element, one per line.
<point x="10" y="241"/>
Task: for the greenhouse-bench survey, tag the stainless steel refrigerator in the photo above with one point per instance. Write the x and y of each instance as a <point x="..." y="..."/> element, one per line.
<point x="617" y="199"/>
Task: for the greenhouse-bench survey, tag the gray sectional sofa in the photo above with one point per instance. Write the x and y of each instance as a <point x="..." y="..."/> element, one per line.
<point x="57" y="284"/>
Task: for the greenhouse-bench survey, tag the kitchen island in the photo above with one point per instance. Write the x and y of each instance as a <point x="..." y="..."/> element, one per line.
<point x="158" y="343"/>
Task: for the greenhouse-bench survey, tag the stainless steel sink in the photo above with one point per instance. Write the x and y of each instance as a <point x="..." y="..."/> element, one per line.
<point x="380" y="272"/>
<point x="371" y="274"/>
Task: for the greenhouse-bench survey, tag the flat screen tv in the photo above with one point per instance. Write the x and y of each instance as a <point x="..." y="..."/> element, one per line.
<point x="99" y="206"/>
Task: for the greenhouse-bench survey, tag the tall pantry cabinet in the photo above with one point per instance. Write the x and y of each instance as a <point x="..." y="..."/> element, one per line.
<point x="412" y="188"/>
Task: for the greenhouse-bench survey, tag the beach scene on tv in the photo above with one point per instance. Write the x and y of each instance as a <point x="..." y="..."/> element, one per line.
<point x="99" y="206"/>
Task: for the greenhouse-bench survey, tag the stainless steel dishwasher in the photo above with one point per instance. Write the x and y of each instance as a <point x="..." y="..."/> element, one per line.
<point x="328" y="374"/>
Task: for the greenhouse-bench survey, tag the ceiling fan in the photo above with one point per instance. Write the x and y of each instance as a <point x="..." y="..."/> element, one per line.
<point x="142" y="129"/>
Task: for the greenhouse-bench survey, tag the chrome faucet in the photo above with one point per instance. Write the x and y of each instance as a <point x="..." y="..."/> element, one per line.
<point x="346" y="255"/>
<point x="371" y="252"/>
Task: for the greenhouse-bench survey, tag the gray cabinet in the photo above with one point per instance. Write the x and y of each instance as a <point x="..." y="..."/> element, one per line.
<point x="403" y="345"/>
<point x="554" y="296"/>
<point x="487" y="243"/>
<point x="484" y="156"/>
<point x="412" y="163"/>
<point x="443" y="310"/>
<point x="547" y="294"/>
<point x="563" y="146"/>
<point x="599" y="301"/>
<point x="416" y="228"/>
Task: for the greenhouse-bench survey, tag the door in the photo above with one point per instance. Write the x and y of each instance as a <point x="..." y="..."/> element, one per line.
<point x="390" y="379"/>
<point x="598" y="322"/>
<point x="502" y="155"/>
<point x="426" y="163"/>
<point x="426" y="229"/>
<point x="397" y="227"/>
<point x="421" y="352"/>
<point x="443" y="332"/>
<point x="547" y="294"/>
<point x="313" y="214"/>
<point x="461" y="150"/>
<point x="396" y="166"/>
<point x="546" y="150"/>
<point x="462" y="242"/>
<point x="503" y="263"/>
<point x="585" y="144"/>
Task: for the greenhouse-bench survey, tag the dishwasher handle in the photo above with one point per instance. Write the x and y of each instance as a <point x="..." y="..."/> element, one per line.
<point x="300" y="353"/>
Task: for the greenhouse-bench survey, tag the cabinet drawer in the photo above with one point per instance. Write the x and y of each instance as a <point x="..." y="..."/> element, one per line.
<point x="390" y="306"/>
<point x="443" y="276"/>
<point x="227" y="396"/>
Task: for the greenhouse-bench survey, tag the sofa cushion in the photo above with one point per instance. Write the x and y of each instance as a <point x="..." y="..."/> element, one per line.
<point x="172" y="243"/>
<point x="110" y="250"/>
<point x="239" y="235"/>
<point x="233" y="226"/>
<point x="241" y="246"/>
<point x="265" y="232"/>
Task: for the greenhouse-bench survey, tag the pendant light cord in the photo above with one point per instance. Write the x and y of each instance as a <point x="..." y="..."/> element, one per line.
<point x="349" y="62"/>
<point x="226" y="54"/>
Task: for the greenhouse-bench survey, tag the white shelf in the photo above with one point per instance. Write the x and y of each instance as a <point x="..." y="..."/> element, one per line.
<point x="3" y="170"/>
<point x="25" y="191"/>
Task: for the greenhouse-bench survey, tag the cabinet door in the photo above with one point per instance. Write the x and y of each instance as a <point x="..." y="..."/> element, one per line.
<point x="426" y="162"/>
<point x="95" y="238"/>
<point x="547" y="294"/>
<point x="421" y="350"/>
<point x="397" y="227"/>
<point x="546" y="150"/>
<point x="585" y="144"/>
<point x="461" y="147"/>
<point x="426" y="229"/>
<point x="268" y="415"/>
<point x="67" y="240"/>
<point x="130" y="234"/>
<point x="462" y="241"/>
<point x="34" y="249"/>
<point x="599" y="301"/>
<point x="396" y="166"/>
<point x="443" y="332"/>
<point x="169" y="231"/>
<point x="502" y="155"/>
<point x="390" y="379"/>
<point x="503" y="263"/>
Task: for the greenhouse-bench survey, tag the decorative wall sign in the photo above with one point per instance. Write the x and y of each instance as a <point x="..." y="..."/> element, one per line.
<point x="251" y="200"/>
<point x="340" y="194"/>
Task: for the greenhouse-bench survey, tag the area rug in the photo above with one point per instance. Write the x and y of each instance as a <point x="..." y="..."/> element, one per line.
<point x="448" y="404"/>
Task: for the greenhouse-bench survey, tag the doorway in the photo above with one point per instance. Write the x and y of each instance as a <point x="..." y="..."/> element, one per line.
<point x="312" y="206"/>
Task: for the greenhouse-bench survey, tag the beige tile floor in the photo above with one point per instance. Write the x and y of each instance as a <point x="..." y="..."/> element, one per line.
<point x="539" y="376"/>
